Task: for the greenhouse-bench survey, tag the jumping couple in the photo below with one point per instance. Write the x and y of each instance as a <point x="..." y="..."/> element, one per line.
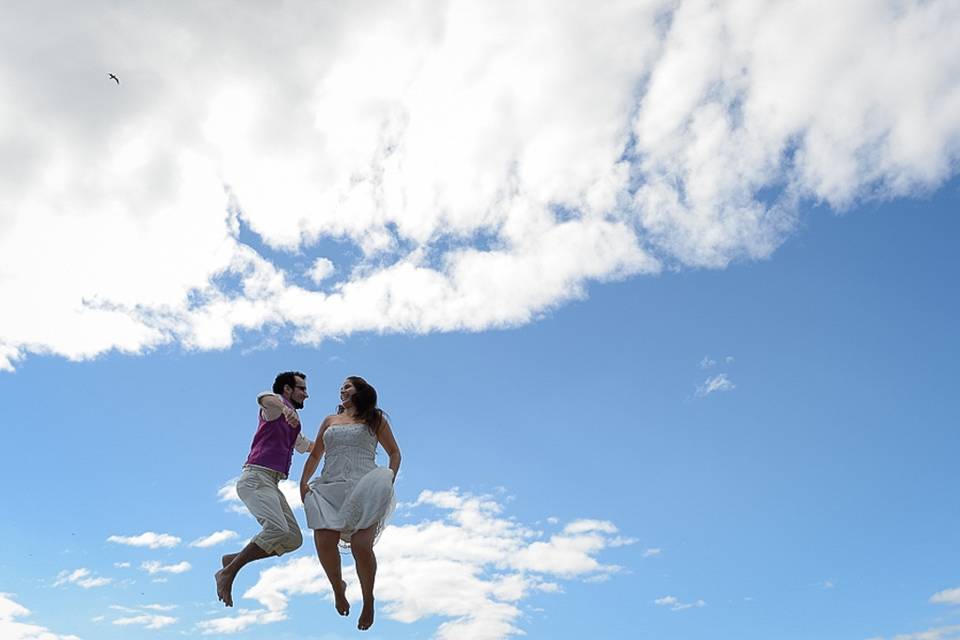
<point x="347" y="505"/>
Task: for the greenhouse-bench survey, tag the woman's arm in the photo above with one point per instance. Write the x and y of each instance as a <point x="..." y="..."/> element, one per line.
<point x="389" y="444"/>
<point x="313" y="460"/>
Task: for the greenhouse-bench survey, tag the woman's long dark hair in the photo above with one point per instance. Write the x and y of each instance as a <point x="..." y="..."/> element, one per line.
<point x="365" y="404"/>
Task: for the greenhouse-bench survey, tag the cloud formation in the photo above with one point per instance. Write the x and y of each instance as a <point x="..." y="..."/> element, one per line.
<point x="477" y="565"/>
<point x="950" y="632"/>
<point x="947" y="596"/>
<point x="214" y="538"/>
<point x="478" y="172"/>
<point x="11" y="629"/>
<point x="153" y="567"/>
<point x="147" y="539"/>
<point x="675" y="604"/>
<point x="146" y="620"/>
<point x="149" y="607"/>
<point x="80" y="577"/>
<point x="713" y="384"/>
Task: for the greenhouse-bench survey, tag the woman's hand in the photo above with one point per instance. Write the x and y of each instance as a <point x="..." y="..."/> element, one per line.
<point x="389" y="444"/>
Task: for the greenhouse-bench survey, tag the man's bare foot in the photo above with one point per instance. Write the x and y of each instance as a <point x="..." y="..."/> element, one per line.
<point x="340" y="600"/>
<point x="366" y="616"/>
<point x="224" y="587"/>
<point x="227" y="559"/>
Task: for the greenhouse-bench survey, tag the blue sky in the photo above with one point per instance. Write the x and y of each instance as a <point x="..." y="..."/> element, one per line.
<point x="660" y="297"/>
<point x="810" y="500"/>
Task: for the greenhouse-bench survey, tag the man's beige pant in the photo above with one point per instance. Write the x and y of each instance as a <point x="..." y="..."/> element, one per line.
<point x="259" y="488"/>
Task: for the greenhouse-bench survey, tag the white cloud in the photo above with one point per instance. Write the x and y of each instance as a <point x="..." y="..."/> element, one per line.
<point x="676" y="605"/>
<point x="11" y="629"/>
<point x="322" y="269"/>
<point x="478" y="565"/>
<point x="120" y="607"/>
<point x="214" y="538"/>
<point x="244" y="618"/>
<point x="140" y="608"/>
<point x="708" y="363"/>
<point x="649" y="553"/>
<point x="148" y="621"/>
<point x="589" y="526"/>
<point x="947" y="596"/>
<point x="951" y="632"/>
<point x="80" y="577"/>
<point x="569" y="554"/>
<point x="147" y="539"/>
<point x="152" y="567"/>
<point x="719" y="382"/>
<point x="122" y="565"/>
<point x="484" y="172"/>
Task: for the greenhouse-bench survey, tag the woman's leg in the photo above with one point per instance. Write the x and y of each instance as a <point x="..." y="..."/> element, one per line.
<point x="361" y="543"/>
<point x="326" y="541"/>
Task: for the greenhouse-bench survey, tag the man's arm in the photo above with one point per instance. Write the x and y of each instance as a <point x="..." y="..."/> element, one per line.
<point x="303" y="444"/>
<point x="273" y="407"/>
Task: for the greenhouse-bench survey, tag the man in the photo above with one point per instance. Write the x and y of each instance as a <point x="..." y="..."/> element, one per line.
<point x="268" y="463"/>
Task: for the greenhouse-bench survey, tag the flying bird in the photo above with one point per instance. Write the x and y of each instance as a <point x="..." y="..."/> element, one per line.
<point x="113" y="77"/>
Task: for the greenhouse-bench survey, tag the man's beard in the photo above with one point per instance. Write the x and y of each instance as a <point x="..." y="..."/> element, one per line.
<point x="296" y="405"/>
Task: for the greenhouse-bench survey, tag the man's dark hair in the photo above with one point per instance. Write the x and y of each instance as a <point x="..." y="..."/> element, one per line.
<point x="286" y="378"/>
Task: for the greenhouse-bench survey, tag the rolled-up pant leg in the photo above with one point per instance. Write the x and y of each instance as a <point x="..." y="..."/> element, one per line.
<point x="294" y="538"/>
<point x="260" y="491"/>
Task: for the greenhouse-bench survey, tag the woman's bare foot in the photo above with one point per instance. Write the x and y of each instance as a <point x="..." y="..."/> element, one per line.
<point x="224" y="586"/>
<point x="340" y="600"/>
<point x="366" y="616"/>
<point x="227" y="559"/>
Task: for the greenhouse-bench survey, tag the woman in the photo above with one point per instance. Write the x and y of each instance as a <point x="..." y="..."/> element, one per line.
<point x="351" y="500"/>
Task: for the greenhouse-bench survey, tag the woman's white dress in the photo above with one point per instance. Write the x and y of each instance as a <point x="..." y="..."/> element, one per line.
<point x="352" y="492"/>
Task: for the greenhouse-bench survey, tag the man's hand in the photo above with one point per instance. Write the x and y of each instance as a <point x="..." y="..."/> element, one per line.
<point x="304" y="490"/>
<point x="292" y="418"/>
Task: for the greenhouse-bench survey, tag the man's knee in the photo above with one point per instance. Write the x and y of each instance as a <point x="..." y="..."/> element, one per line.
<point x="280" y="538"/>
<point x="293" y="540"/>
